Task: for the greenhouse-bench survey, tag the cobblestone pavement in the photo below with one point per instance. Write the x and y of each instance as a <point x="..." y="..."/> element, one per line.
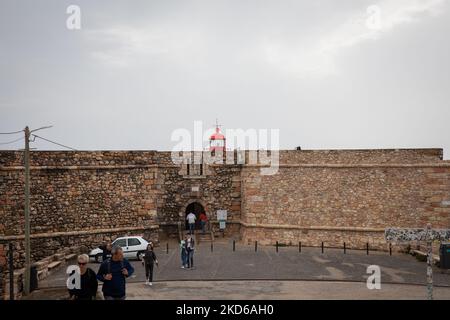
<point x="267" y="264"/>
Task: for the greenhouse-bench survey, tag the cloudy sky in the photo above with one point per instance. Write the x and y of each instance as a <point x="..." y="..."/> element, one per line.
<point x="328" y="74"/>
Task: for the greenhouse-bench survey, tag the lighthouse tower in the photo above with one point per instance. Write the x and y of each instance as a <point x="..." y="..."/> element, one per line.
<point x="217" y="140"/>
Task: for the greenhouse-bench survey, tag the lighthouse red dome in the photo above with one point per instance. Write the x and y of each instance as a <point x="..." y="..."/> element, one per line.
<point x="217" y="140"/>
<point x="217" y="135"/>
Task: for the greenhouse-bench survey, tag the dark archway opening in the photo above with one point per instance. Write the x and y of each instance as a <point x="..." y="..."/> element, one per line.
<point x="196" y="208"/>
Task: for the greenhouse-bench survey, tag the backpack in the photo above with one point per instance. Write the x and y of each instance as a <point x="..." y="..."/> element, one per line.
<point x="109" y="265"/>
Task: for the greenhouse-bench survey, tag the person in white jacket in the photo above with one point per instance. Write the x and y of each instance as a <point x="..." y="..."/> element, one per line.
<point x="191" y="221"/>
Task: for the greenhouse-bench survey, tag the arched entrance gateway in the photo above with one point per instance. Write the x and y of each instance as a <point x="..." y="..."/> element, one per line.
<point x="196" y="208"/>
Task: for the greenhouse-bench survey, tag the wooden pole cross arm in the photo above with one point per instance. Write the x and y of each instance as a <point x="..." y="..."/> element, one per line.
<point x="416" y="234"/>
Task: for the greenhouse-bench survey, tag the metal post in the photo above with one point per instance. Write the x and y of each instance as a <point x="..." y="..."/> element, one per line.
<point x="234" y="245"/>
<point x="367" y="248"/>
<point x="322" y="246"/>
<point x="390" y="248"/>
<point x="167" y="247"/>
<point x="212" y="247"/>
<point x="27" y="212"/>
<point x="300" y="246"/>
<point x="429" y="264"/>
<point x="256" y="246"/>
<point x="11" y="271"/>
<point x="276" y="245"/>
<point x="345" y="249"/>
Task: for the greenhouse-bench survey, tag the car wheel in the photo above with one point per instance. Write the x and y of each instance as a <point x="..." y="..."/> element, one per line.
<point x="98" y="258"/>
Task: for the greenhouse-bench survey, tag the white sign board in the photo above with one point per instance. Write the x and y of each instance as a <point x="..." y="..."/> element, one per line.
<point x="222" y="215"/>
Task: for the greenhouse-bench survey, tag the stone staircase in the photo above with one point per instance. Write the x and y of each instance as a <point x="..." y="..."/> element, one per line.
<point x="199" y="236"/>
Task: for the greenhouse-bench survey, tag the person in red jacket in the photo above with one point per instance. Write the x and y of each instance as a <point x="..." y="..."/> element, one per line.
<point x="203" y="220"/>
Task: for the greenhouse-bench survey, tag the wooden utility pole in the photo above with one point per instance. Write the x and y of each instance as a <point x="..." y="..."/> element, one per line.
<point x="27" y="212"/>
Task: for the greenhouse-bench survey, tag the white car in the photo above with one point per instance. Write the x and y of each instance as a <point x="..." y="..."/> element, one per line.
<point x="132" y="246"/>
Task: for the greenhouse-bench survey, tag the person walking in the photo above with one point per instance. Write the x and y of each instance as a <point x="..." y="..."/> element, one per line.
<point x="183" y="252"/>
<point x="190" y="246"/>
<point x="113" y="273"/>
<point x="88" y="281"/>
<point x="203" y="220"/>
<point x="106" y="251"/>
<point x="148" y="260"/>
<point x="191" y="221"/>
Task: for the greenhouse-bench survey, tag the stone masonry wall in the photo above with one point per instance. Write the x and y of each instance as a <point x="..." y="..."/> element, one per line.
<point x="315" y="203"/>
<point x="81" y="198"/>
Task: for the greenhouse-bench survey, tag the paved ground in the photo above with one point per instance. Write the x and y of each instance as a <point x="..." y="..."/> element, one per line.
<point x="262" y="290"/>
<point x="287" y="264"/>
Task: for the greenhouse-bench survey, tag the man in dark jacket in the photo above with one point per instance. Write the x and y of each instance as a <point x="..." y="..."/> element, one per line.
<point x="106" y="248"/>
<point x="88" y="281"/>
<point x="113" y="273"/>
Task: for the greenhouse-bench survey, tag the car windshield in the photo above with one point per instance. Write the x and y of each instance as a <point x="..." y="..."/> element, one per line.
<point x="120" y="242"/>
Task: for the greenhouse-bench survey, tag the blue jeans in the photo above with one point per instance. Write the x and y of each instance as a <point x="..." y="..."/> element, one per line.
<point x="203" y="223"/>
<point x="191" y="228"/>
<point x="190" y="258"/>
<point x="184" y="258"/>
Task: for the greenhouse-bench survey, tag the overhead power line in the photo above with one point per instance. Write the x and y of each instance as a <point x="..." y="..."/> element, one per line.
<point x="13" y="132"/>
<point x="9" y="142"/>
<point x="59" y="144"/>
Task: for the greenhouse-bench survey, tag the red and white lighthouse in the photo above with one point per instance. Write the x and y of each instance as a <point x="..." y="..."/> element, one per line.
<point x="217" y="140"/>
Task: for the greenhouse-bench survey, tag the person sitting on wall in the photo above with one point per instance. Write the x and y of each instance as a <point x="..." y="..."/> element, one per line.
<point x="88" y="281"/>
<point x="113" y="273"/>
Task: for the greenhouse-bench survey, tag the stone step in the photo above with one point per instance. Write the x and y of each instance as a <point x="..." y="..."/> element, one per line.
<point x="70" y="256"/>
<point x="53" y="265"/>
<point x="436" y="258"/>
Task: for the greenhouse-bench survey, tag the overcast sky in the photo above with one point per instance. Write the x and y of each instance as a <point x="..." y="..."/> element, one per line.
<point x="318" y="70"/>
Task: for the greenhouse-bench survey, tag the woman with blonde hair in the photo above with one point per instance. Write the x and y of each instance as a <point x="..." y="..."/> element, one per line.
<point x="88" y="281"/>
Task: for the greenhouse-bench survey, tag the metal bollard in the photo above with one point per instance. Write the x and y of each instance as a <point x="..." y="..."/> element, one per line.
<point x="276" y="245"/>
<point x="367" y="248"/>
<point x="256" y="246"/>
<point x="299" y="246"/>
<point x="234" y="245"/>
<point x="322" y="246"/>
<point x="390" y="249"/>
<point x="212" y="247"/>
<point x="345" y="249"/>
<point x="167" y="247"/>
<point x="11" y="271"/>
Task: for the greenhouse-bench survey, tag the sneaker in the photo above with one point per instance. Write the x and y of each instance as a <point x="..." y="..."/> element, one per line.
<point x="150" y="284"/>
<point x="146" y="283"/>
<point x="182" y="267"/>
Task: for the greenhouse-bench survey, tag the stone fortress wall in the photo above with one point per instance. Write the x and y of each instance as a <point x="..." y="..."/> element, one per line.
<point x="86" y="197"/>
